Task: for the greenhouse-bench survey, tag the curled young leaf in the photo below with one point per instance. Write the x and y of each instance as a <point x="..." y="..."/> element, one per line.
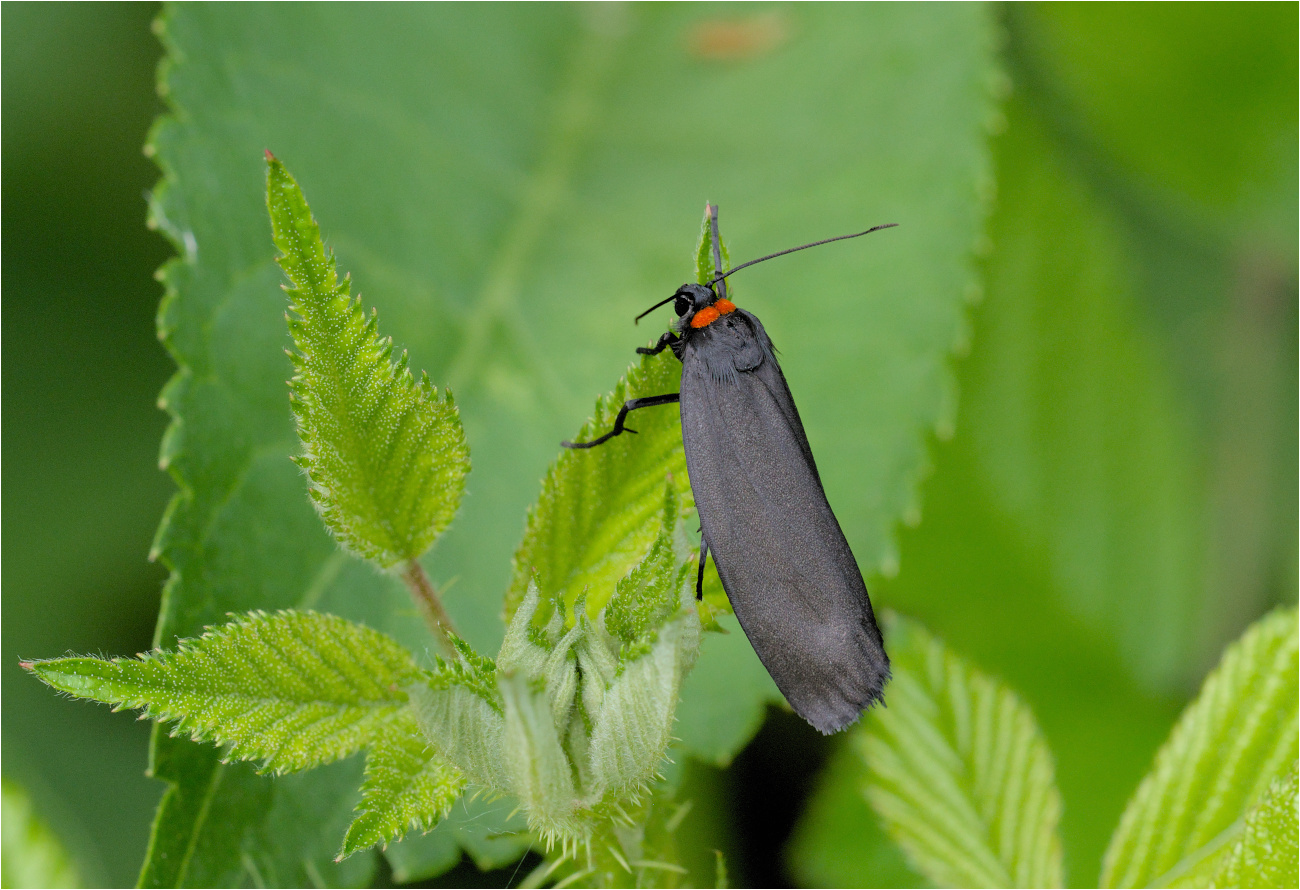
<point x="575" y="718"/>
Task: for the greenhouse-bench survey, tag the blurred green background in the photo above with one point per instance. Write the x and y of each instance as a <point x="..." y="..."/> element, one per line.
<point x="1147" y="183"/>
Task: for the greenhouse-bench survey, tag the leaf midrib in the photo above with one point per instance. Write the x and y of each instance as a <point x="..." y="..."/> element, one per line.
<point x="575" y="108"/>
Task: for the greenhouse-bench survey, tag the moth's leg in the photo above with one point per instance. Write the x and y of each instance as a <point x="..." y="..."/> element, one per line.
<point x="629" y="405"/>
<point x="699" y="579"/>
<point x="668" y="338"/>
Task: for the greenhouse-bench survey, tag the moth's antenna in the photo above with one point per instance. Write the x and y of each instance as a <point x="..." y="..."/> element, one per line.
<point x="654" y="307"/>
<point x="717" y="253"/>
<point x="772" y="256"/>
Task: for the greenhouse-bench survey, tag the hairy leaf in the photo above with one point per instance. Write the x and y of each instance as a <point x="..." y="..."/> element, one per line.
<point x="385" y="453"/>
<point x="600" y="508"/>
<point x="960" y="772"/>
<point x="292" y="690"/>
<point x="406" y="787"/>
<point x="573" y="721"/>
<point x="1236" y="738"/>
<point x="1265" y="854"/>
<point x="644" y="597"/>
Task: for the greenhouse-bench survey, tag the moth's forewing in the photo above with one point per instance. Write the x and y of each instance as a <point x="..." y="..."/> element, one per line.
<point x="783" y="559"/>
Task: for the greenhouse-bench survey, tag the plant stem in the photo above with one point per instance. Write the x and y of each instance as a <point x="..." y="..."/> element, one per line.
<point x="426" y="597"/>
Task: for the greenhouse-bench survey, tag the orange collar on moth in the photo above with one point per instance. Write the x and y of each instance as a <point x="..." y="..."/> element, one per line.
<point x="710" y="314"/>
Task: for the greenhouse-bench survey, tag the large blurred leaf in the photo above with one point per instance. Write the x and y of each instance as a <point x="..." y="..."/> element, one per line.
<point x="1232" y="742"/>
<point x="960" y="773"/>
<point x="1194" y="106"/>
<point x="81" y="368"/>
<point x="1073" y="417"/>
<point x="1183" y="121"/>
<point x="510" y="185"/>
<point x="32" y="855"/>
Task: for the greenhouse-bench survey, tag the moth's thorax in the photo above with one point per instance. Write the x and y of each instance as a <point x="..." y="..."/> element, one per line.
<point x="712" y="313"/>
<point x="732" y="344"/>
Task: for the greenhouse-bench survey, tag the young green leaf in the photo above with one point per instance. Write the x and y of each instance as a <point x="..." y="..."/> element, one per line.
<point x="960" y="772"/>
<point x="292" y="689"/>
<point x="648" y="594"/>
<point x="573" y="721"/>
<point x="385" y="453"/>
<point x="1229" y="745"/>
<point x="1265" y="855"/>
<point x="406" y="786"/>
<point x="704" y="253"/>
<point x="600" y="508"/>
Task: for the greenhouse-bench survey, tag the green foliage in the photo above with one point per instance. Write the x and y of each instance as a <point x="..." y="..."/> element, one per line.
<point x="406" y="787"/>
<point x="573" y="719"/>
<point x="1265" y="854"/>
<point x="386" y="454"/>
<point x="1060" y="342"/>
<point x="1210" y="123"/>
<point x="601" y="508"/>
<point x="1120" y="499"/>
<point x="704" y="269"/>
<point x="30" y="853"/>
<point x="962" y="779"/>
<point x="526" y="202"/>
<point x="960" y="773"/>
<point x="1228" y="747"/>
<point x="648" y="594"/>
<point x="290" y="690"/>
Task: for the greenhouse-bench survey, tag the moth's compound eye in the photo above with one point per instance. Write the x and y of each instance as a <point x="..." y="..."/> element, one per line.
<point x="681" y="306"/>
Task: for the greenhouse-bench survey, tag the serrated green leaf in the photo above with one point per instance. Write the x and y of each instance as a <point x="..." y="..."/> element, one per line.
<point x="648" y="594"/>
<point x="704" y="253"/>
<point x="528" y="203"/>
<point x="292" y="690"/>
<point x="1265" y="855"/>
<point x="601" y="508"/>
<point x="960" y="772"/>
<point x="385" y="453"/>
<point x="406" y="787"/>
<point x="1237" y="737"/>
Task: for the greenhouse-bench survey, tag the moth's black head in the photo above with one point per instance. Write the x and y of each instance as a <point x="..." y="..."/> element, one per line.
<point x="691" y="298"/>
<point x="696" y="305"/>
